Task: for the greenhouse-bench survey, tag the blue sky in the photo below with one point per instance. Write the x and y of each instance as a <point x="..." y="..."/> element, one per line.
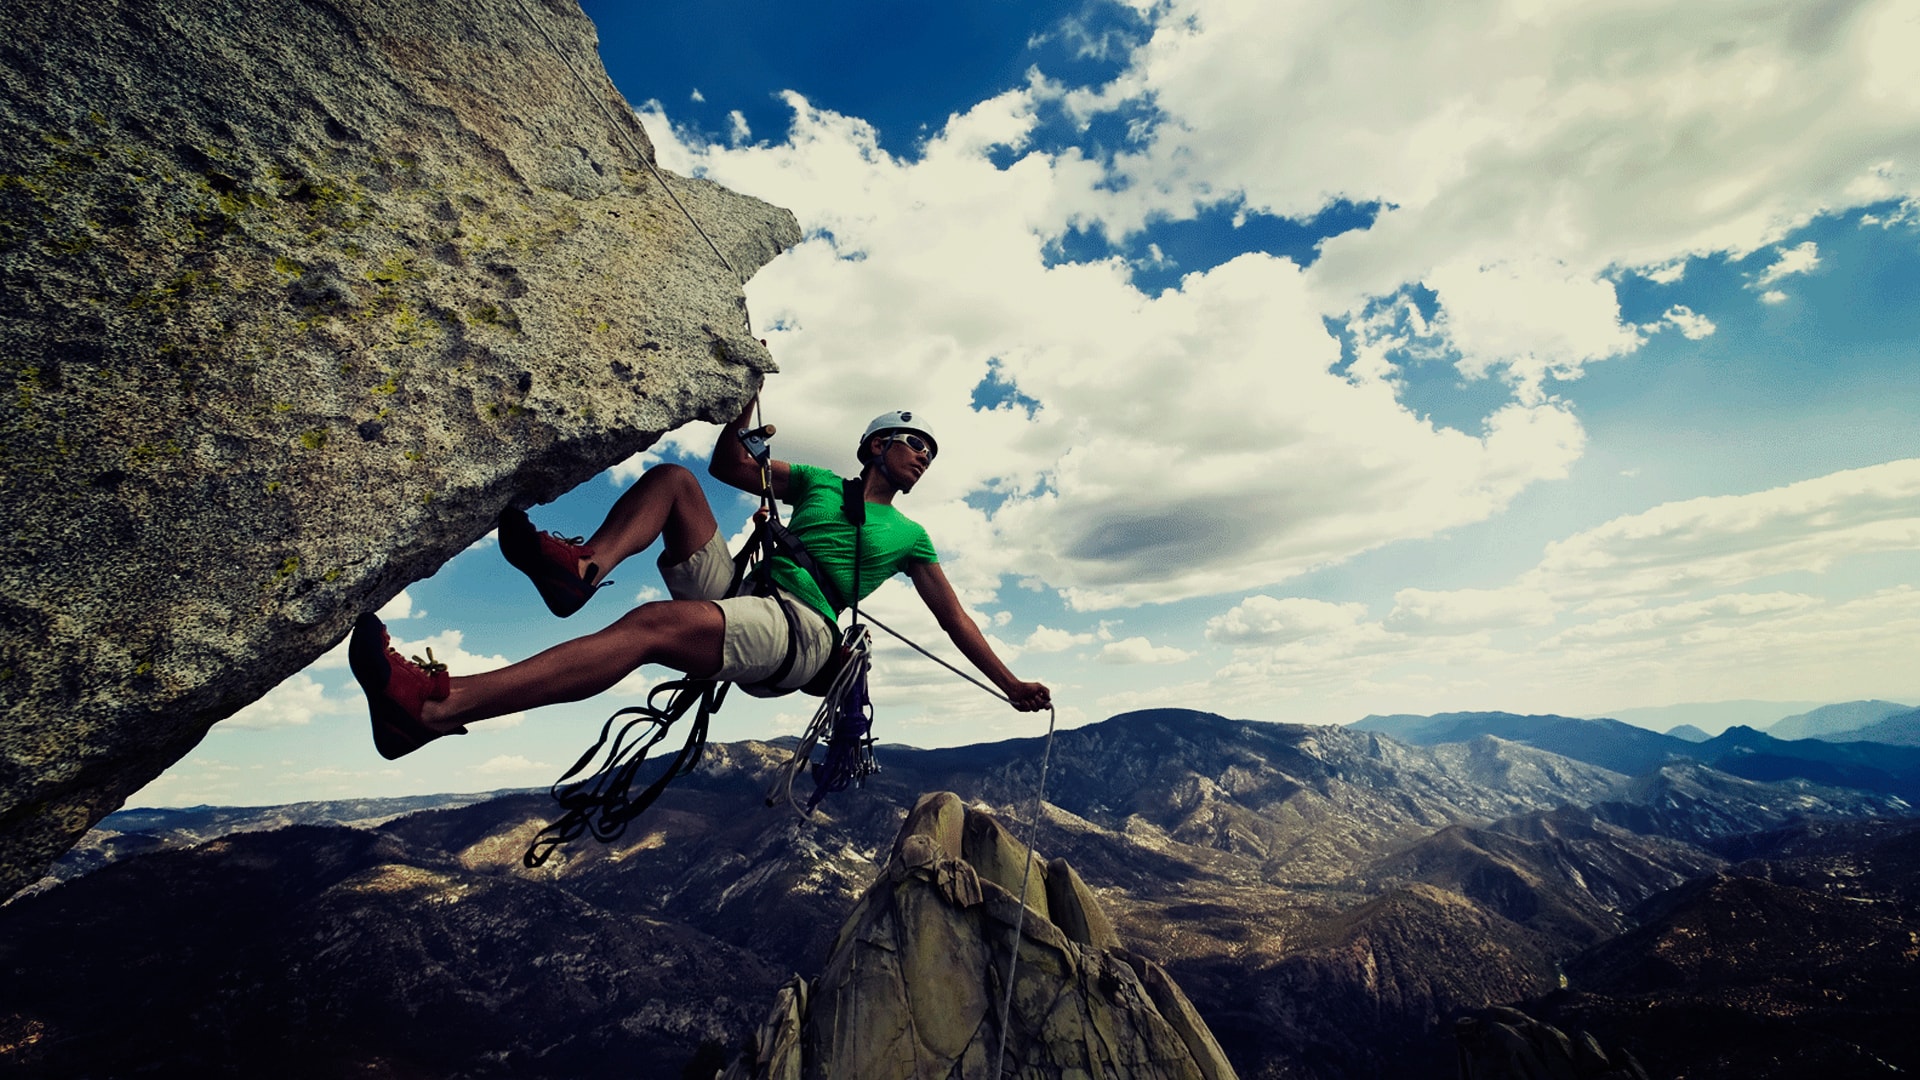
<point x="1291" y="364"/>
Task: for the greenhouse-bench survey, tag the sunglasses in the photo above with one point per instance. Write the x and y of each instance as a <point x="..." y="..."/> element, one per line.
<point x="914" y="443"/>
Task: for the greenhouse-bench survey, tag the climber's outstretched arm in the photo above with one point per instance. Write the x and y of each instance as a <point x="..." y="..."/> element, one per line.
<point x="937" y="593"/>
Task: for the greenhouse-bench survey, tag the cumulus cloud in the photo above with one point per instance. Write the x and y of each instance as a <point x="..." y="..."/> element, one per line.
<point x="1533" y="319"/>
<point x="1725" y="540"/>
<point x="1643" y="609"/>
<point x="400" y="607"/>
<point x="1195" y="442"/>
<point x="1586" y="133"/>
<point x="1670" y="274"/>
<point x="1138" y="650"/>
<point x="1468" y="610"/>
<point x="1692" y="326"/>
<point x="1280" y="619"/>
<point x="1216" y="437"/>
<point x="294" y="703"/>
<point x="639" y="682"/>
<point x="1520" y="156"/>
<point x="1796" y="260"/>
<point x="1046" y="639"/>
<point x="512" y="768"/>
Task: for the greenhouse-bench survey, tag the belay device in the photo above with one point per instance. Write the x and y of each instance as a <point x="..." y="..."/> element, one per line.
<point x="601" y="802"/>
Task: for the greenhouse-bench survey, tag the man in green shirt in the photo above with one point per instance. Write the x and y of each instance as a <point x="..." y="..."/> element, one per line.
<point x="700" y="631"/>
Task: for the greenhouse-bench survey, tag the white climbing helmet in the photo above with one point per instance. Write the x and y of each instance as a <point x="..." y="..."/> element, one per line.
<point x="898" y="420"/>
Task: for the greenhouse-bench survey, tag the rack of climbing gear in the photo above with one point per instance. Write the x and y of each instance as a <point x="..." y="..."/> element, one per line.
<point x="844" y="721"/>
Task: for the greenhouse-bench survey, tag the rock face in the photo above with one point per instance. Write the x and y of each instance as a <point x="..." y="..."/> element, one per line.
<point x="1507" y="1044"/>
<point x="916" y="981"/>
<point x="300" y="294"/>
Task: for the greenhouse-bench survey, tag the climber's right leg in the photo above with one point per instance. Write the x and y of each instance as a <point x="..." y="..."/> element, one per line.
<point x="666" y="503"/>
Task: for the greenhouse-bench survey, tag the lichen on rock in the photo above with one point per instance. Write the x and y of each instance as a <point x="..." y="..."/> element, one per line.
<point x="915" y="985"/>
<point x="299" y="296"/>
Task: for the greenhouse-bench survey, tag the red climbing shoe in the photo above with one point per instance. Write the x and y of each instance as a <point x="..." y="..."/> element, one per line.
<point x="552" y="562"/>
<point x="397" y="689"/>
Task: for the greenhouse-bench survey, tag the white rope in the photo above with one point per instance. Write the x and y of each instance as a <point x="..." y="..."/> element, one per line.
<point x="868" y="617"/>
<point x="1033" y="836"/>
<point x="631" y="145"/>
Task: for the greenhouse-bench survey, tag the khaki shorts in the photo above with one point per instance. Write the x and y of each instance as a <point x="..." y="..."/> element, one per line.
<point x="755" y="642"/>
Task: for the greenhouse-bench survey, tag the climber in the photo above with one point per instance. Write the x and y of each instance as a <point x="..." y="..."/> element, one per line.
<point x="700" y="631"/>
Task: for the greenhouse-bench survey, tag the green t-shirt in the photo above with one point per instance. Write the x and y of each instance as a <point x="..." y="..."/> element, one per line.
<point x="889" y="543"/>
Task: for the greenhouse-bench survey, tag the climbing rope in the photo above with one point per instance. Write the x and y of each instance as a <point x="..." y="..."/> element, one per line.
<point x="1033" y="835"/>
<point x="599" y="802"/>
<point x="600" y="101"/>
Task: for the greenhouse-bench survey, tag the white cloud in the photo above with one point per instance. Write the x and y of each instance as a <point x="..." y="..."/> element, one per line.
<point x="1191" y="443"/>
<point x="1667" y="621"/>
<point x="1590" y="134"/>
<point x="641" y="681"/>
<point x="1691" y="325"/>
<point x="1644" y="609"/>
<point x="1274" y="620"/>
<point x="1523" y="155"/>
<point x="1045" y="639"/>
<point x="1670" y="274"/>
<point x="1725" y="540"/>
<point x="1532" y="318"/>
<point x="626" y="472"/>
<point x="1138" y="650"/>
<point x="294" y="703"/>
<point x="400" y="607"/>
<point x="334" y="659"/>
<point x="1209" y="440"/>
<point x="1420" y="611"/>
<point x="447" y="648"/>
<point x="1797" y="260"/>
<point x="513" y="768"/>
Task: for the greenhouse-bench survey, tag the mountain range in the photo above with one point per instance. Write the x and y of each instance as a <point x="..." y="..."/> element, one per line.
<point x="1330" y="899"/>
<point x="1854" y="719"/>
<point x="1739" y="750"/>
